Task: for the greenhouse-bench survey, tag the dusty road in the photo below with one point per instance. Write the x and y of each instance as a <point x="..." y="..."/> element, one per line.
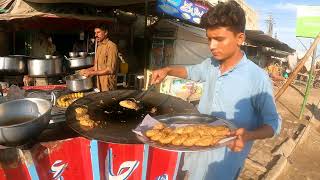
<point x="304" y="162"/>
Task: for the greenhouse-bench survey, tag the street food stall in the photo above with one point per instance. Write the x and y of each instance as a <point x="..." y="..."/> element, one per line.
<point x="56" y="38"/>
<point x="51" y="132"/>
<point x="108" y="149"/>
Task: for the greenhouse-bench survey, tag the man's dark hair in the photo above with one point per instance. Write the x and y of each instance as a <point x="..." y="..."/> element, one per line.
<point x="103" y="27"/>
<point x="225" y="14"/>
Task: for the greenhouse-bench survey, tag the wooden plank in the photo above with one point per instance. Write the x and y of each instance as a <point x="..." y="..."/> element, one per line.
<point x="295" y="72"/>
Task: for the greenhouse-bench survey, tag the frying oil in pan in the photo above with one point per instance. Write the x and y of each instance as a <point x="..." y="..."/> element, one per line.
<point x="114" y="113"/>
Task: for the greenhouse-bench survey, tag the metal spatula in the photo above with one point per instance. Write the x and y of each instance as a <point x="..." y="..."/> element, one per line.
<point x="140" y="96"/>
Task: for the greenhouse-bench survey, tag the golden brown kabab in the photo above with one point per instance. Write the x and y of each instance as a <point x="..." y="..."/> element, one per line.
<point x="179" y="139"/>
<point x="191" y="140"/>
<point x="80" y="111"/>
<point x="190" y="135"/>
<point x="159" y="126"/>
<point x="83" y="117"/>
<point x="65" y="100"/>
<point x="158" y="136"/>
<point x="168" y="138"/>
<point x="88" y="122"/>
<point x="130" y="104"/>
<point x="152" y="132"/>
<point x="205" y="141"/>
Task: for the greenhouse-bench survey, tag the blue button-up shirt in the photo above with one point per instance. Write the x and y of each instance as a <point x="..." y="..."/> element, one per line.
<point x="242" y="95"/>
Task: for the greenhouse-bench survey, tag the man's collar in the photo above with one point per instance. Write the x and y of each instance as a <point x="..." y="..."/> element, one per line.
<point x="243" y="61"/>
<point x="105" y="41"/>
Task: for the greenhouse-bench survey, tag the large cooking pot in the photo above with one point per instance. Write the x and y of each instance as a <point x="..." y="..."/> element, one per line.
<point x="15" y="64"/>
<point x="23" y="119"/>
<point x="80" y="62"/>
<point x="77" y="83"/>
<point x="44" y="67"/>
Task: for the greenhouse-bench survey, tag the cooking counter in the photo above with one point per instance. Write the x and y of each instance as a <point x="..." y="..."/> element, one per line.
<point x="59" y="152"/>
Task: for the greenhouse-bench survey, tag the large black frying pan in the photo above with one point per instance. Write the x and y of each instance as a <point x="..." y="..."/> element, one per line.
<point x="116" y="122"/>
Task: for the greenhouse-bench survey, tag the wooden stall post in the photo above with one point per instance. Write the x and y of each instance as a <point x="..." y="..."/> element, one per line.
<point x="298" y="68"/>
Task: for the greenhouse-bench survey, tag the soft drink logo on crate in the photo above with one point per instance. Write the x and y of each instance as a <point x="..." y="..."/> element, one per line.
<point x="125" y="169"/>
<point x="57" y="169"/>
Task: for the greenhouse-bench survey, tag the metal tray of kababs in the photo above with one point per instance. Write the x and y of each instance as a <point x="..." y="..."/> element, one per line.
<point x="188" y="119"/>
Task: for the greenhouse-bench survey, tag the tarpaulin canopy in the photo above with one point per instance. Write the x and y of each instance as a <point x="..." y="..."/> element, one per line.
<point x="258" y="38"/>
<point x="21" y="10"/>
<point x="190" y="42"/>
<point x="24" y="15"/>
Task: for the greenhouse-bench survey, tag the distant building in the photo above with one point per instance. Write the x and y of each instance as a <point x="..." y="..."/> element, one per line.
<point x="251" y="15"/>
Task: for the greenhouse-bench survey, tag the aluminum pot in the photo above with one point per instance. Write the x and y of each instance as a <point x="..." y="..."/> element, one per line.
<point x="44" y="67"/>
<point x="73" y="54"/>
<point x="13" y="64"/>
<point x="23" y="119"/>
<point x="83" y="54"/>
<point x="77" y="83"/>
<point x="80" y="63"/>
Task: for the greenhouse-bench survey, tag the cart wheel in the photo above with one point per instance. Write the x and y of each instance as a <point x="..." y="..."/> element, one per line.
<point x="316" y="84"/>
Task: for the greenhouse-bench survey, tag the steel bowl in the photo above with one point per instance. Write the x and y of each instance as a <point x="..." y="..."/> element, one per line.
<point x="73" y="54"/>
<point x="23" y="119"/>
<point x="77" y="83"/>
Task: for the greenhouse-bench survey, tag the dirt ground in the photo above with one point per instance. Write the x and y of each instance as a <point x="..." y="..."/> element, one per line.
<point x="261" y="158"/>
<point x="304" y="162"/>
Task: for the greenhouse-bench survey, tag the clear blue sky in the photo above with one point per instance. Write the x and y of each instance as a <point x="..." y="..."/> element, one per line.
<point x="284" y="14"/>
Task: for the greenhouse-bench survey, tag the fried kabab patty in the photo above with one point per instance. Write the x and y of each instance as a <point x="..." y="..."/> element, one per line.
<point x="158" y="136"/>
<point x="190" y="135"/>
<point x="179" y="139"/>
<point x="204" y="141"/>
<point x="159" y="126"/>
<point x="168" y="138"/>
<point x="152" y="132"/>
<point x="129" y="104"/>
<point x="65" y="100"/>
<point x="190" y="141"/>
<point x="80" y="111"/>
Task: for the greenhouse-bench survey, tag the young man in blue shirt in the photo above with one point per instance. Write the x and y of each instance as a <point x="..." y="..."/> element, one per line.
<point x="234" y="89"/>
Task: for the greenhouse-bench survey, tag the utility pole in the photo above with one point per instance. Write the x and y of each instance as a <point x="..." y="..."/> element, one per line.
<point x="270" y="23"/>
